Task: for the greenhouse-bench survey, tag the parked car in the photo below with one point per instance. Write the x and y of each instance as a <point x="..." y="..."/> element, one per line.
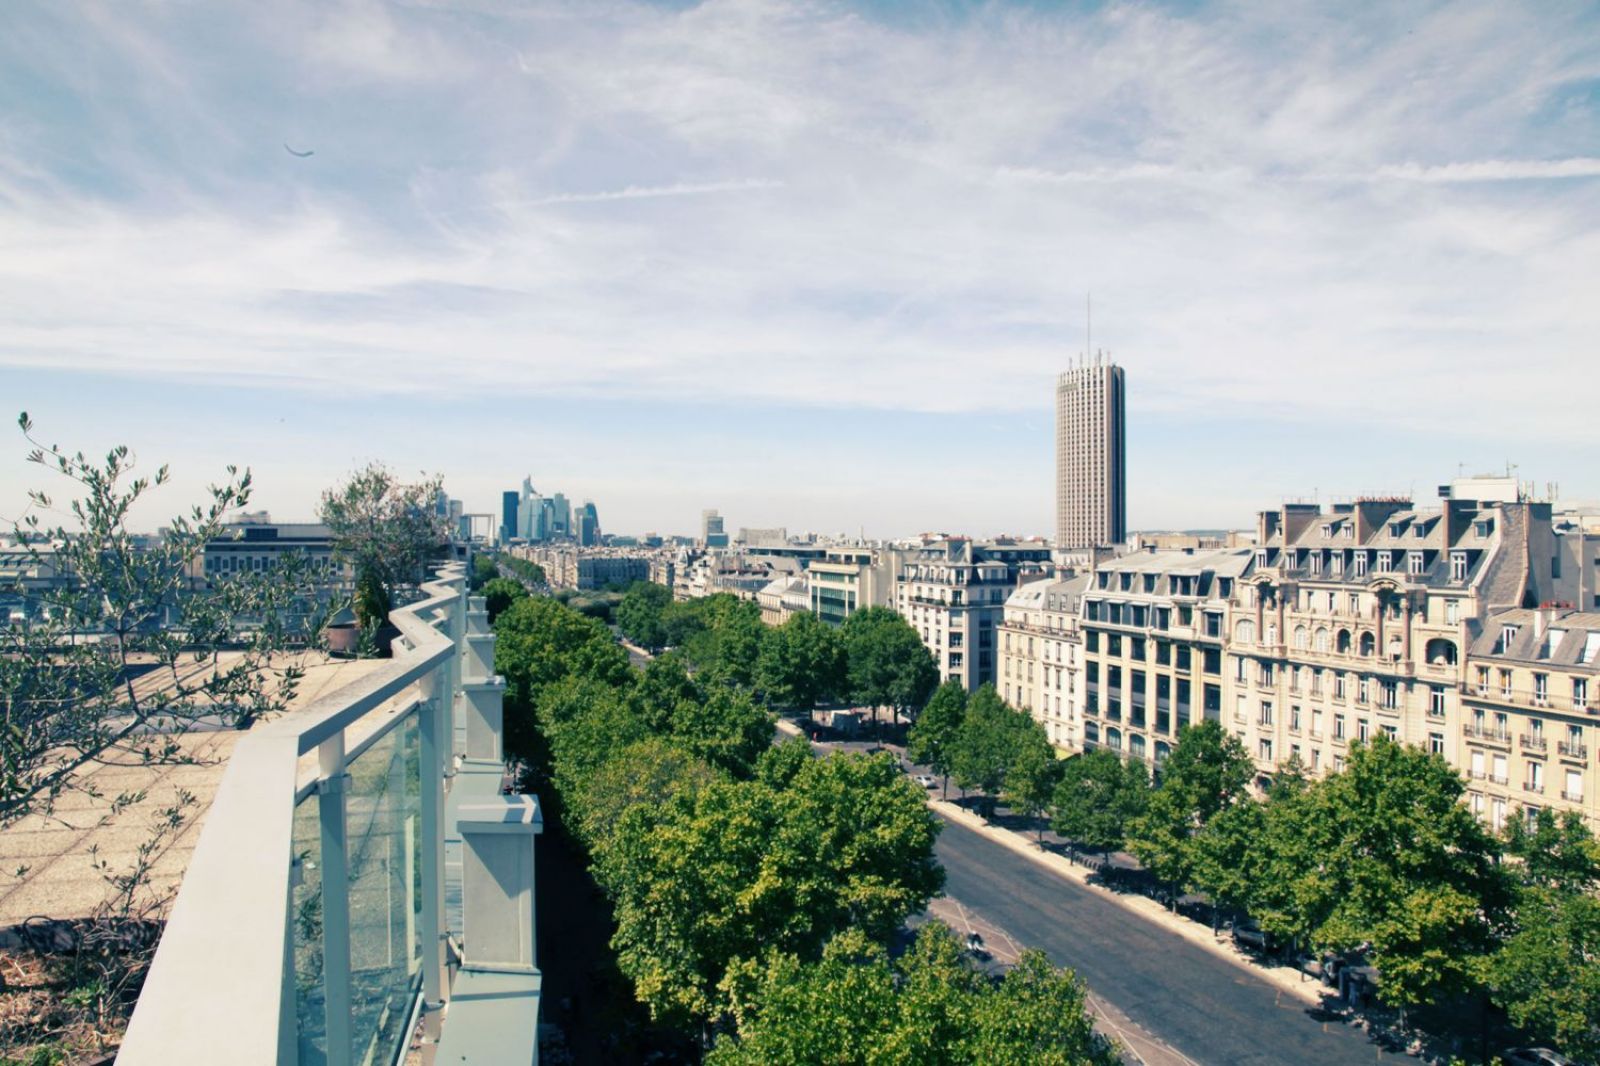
<point x="1250" y="935"/>
<point x="926" y="781"/>
<point x="1534" y="1056"/>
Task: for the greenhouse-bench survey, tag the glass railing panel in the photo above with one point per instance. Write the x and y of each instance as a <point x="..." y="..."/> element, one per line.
<point x="306" y="921"/>
<point x="383" y="814"/>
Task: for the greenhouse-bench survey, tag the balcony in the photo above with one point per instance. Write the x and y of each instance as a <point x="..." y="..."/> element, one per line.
<point x="1531" y="742"/>
<point x="1533" y="786"/>
<point x="1572" y="797"/>
<point x="1486" y="733"/>
<point x="1498" y="779"/>
<point x="1572" y="750"/>
<point x="359" y="871"/>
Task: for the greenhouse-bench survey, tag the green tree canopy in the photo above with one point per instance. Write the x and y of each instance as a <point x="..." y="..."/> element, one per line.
<point x="857" y="1007"/>
<point x="1031" y="781"/>
<point x="887" y="663"/>
<point x="800" y="663"/>
<point x="1097" y="796"/>
<point x="986" y="747"/>
<point x="741" y="867"/>
<point x="1546" y="974"/>
<point x="641" y="614"/>
<point x="1207" y="771"/>
<point x="1386" y="854"/>
<point x="388" y="531"/>
<point x="932" y="736"/>
<point x="500" y="593"/>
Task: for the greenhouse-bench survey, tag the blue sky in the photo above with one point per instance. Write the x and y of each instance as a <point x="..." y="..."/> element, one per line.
<point x="812" y="263"/>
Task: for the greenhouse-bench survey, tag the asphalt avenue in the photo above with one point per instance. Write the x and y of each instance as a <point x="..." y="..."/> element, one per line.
<point x="1203" y="1007"/>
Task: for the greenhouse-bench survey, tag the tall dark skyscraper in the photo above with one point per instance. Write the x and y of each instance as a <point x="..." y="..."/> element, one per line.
<point x="508" y="514"/>
<point x="1091" y="456"/>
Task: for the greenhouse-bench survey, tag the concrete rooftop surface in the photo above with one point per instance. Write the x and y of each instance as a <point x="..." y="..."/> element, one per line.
<point x="48" y="861"/>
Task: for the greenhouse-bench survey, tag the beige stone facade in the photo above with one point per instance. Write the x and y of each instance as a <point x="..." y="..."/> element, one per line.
<point x="1153" y="626"/>
<point x="1531" y="714"/>
<point x="1041" y="656"/>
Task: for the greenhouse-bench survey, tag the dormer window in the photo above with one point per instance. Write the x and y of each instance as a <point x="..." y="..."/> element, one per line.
<point x="1314" y="561"/>
<point x="1414" y="563"/>
<point x="1360" y="564"/>
<point x="1482" y="527"/>
<point x="1125" y="582"/>
<point x="1327" y="531"/>
<point x="1149" y="582"/>
<point x="1350" y="531"/>
<point x="1458" y="566"/>
<point x="1385" y="562"/>
<point x="1261" y="558"/>
<point x="1418" y="530"/>
<point x="1508" y="635"/>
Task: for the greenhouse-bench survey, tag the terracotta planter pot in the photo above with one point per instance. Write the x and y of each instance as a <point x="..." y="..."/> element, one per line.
<point x="342" y="638"/>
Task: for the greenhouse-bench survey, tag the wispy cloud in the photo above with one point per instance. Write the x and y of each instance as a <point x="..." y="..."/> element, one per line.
<point x="645" y="192"/>
<point x="1495" y="170"/>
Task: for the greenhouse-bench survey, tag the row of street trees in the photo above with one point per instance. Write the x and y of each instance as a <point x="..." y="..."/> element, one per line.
<point x="875" y="659"/>
<point x="1381" y="859"/>
<point x="751" y="884"/>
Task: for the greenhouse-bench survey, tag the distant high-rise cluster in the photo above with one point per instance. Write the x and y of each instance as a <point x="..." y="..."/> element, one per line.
<point x="527" y="516"/>
<point x="1091" y="456"/>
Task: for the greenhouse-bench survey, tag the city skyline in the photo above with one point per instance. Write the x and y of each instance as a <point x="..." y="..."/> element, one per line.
<point x="788" y="248"/>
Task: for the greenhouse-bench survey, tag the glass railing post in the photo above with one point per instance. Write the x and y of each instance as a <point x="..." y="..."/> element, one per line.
<point x="434" y="747"/>
<point x="335" y="898"/>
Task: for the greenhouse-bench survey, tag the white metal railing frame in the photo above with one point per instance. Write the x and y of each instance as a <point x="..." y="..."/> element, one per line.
<point x="221" y="986"/>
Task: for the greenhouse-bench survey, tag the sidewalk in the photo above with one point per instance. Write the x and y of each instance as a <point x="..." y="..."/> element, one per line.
<point x="1287" y="979"/>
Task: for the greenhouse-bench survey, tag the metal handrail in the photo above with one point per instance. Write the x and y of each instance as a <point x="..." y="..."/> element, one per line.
<point x="232" y="910"/>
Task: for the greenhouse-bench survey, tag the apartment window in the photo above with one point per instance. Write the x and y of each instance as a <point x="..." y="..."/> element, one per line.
<point x="1498" y="772"/>
<point x="1505" y="683"/>
<point x="1363" y="730"/>
<point x="1338" y="764"/>
<point x="1241" y="670"/>
<point x="1483" y="680"/>
<point x="1294" y="717"/>
<point x="1316" y="721"/>
<point x="1163" y="653"/>
<point x="1316" y="681"/>
<point x="1136" y="648"/>
<point x="1316" y="758"/>
<point x="1163" y="618"/>
<point x="1391" y="695"/>
<point x="1355" y="603"/>
<point x="1392" y="732"/>
<point x="1338" y="727"/>
<point x="1185" y="657"/>
<point x="1536" y="777"/>
<point x="1452" y="611"/>
<point x="1541" y="689"/>
<point x="1436" y="701"/>
<point x="1573" y="790"/>
<point x="1113" y="644"/>
<point x="1458" y="566"/>
<point x="1338" y="686"/>
<point x="1211" y="662"/>
<point x="1265" y="750"/>
<point x="1363" y="689"/>
<point x="1266" y="674"/>
<point x="1580" y="693"/>
<point x="1266" y="712"/>
<point x="1436" y="743"/>
<point x="1091" y="641"/>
